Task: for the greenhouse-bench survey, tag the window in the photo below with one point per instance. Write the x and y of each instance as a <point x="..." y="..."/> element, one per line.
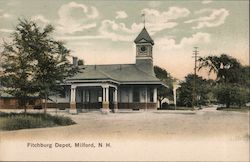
<point x="136" y="95"/>
<point x="151" y="95"/>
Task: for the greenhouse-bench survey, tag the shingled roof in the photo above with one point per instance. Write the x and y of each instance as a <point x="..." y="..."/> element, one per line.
<point x="121" y="73"/>
<point x="144" y="36"/>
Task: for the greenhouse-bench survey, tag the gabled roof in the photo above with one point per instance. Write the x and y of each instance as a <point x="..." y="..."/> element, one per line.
<point x="144" y="37"/>
<point x="122" y="73"/>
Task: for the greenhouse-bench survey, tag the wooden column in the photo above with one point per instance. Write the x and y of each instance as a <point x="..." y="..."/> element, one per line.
<point x="155" y="95"/>
<point x="115" y="100"/>
<point x="72" y="109"/>
<point x="105" y="99"/>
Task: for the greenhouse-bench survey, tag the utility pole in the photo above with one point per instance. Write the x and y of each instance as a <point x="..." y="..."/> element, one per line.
<point x="195" y="53"/>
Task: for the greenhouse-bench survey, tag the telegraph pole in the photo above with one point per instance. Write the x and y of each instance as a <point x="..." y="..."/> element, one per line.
<point x="195" y="55"/>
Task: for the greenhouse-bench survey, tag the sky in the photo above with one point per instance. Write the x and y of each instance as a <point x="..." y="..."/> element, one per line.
<point x="102" y="32"/>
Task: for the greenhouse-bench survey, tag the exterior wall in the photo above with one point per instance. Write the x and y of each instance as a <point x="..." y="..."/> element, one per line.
<point x="57" y="105"/>
<point x="125" y="95"/>
<point x="96" y="105"/>
<point x="8" y="103"/>
<point x="94" y="96"/>
<point x="125" y="98"/>
<point x="59" y="99"/>
<point x="88" y="95"/>
<point x="88" y="98"/>
<point x="137" y="106"/>
<point x="12" y="103"/>
<point x="143" y="93"/>
<point x="91" y="98"/>
<point x="79" y="94"/>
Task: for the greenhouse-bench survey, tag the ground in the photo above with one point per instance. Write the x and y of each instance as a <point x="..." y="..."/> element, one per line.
<point x="153" y="135"/>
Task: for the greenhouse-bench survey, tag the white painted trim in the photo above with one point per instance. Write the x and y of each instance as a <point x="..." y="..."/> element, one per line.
<point x="139" y="82"/>
<point x="144" y="57"/>
<point x="91" y="81"/>
<point x="92" y="85"/>
<point x="143" y="43"/>
<point x="87" y="84"/>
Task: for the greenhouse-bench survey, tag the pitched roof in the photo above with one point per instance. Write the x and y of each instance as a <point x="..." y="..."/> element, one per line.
<point x="144" y="36"/>
<point x="121" y="73"/>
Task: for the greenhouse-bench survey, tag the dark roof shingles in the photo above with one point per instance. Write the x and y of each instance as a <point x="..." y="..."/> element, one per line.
<point x="144" y="35"/>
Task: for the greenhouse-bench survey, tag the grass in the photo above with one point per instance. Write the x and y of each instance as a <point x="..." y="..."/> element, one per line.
<point x="177" y="108"/>
<point x="15" y="121"/>
<point x="241" y="109"/>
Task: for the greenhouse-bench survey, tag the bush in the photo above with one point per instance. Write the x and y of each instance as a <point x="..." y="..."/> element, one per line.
<point x="15" y="121"/>
<point x="59" y="120"/>
<point x="232" y="94"/>
<point x="165" y="105"/>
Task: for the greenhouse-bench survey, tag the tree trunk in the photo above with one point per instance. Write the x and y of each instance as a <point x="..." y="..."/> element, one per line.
<point x="45" y="104"/>
<point x="228" y="104"/>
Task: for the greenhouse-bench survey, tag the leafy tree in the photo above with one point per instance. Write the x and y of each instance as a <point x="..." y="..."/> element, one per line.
<point x="37" y="59"/>
<point x="229" y="94"/>
<point x="168" y="80"/>
<point x="185" y="92"/>
<point x="244" y="78"/>
<point x="225" y="67"/>
<point x="80" y="62"/>
<point x="232" y="79"/>
<point x="17" y="65"/>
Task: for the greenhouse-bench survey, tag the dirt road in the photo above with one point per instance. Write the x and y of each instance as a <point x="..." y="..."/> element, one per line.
<point x="155" y="135"/>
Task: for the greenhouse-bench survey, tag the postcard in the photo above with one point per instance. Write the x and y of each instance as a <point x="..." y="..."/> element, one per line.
<point x="124" y="80"/>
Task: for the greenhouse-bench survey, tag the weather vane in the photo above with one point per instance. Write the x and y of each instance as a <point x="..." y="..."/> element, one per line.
<point x="144" y="18"/>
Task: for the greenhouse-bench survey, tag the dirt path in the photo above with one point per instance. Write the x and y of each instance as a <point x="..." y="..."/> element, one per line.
<point x="225" y="134"/>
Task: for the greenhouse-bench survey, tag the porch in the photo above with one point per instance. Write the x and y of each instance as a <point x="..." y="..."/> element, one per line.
<point x="108" y="97"/>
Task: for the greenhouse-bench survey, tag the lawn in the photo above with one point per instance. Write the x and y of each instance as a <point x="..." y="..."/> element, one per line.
<point x="15" y="121"/>
<point x="241" y="109"/>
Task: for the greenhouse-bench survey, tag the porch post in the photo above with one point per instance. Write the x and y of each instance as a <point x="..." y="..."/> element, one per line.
<point x="105" y="99"/>
<point x="107" y="94"/>
<point x="115" y="100"/>
<point x="72" y="109"/>
<point x="155" y="97"/>
<point x="175" y="87"/>
<point x="146" y="99"/>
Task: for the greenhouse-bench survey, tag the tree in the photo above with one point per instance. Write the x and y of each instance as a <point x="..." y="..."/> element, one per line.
<point x="168" y="80"/>
<point x="229" y="94"/>
<point x="43" y="61"/>
<point x="232" y="79"/>
<point x="80" y="62"/>
<point x="16" y="63"/>
<point x="225" y="67"/>
<point x="203" y="90"/>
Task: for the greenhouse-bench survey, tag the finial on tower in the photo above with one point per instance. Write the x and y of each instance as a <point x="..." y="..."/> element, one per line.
<point x="144" y="18"/>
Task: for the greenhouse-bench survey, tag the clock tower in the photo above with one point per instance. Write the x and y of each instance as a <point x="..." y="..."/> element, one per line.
<point x="144" y="52"/>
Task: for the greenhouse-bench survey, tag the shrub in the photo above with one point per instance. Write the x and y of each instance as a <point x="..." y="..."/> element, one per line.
<point x="62" y="120"/>
<point x="232" y="94"/>
<point x="15" y="121"/>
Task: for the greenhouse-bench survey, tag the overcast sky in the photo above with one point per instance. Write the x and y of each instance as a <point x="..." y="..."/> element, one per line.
<point x="102" y="32"/>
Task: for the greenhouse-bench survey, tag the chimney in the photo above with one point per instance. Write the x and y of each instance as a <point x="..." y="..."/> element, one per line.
<point x="75" y="61"/>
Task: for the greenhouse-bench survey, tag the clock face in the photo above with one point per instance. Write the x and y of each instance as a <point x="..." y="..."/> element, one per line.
<point x="143" y="49"/>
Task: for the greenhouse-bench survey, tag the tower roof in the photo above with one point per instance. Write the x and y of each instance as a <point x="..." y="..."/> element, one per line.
<point x="144" y="36"/>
